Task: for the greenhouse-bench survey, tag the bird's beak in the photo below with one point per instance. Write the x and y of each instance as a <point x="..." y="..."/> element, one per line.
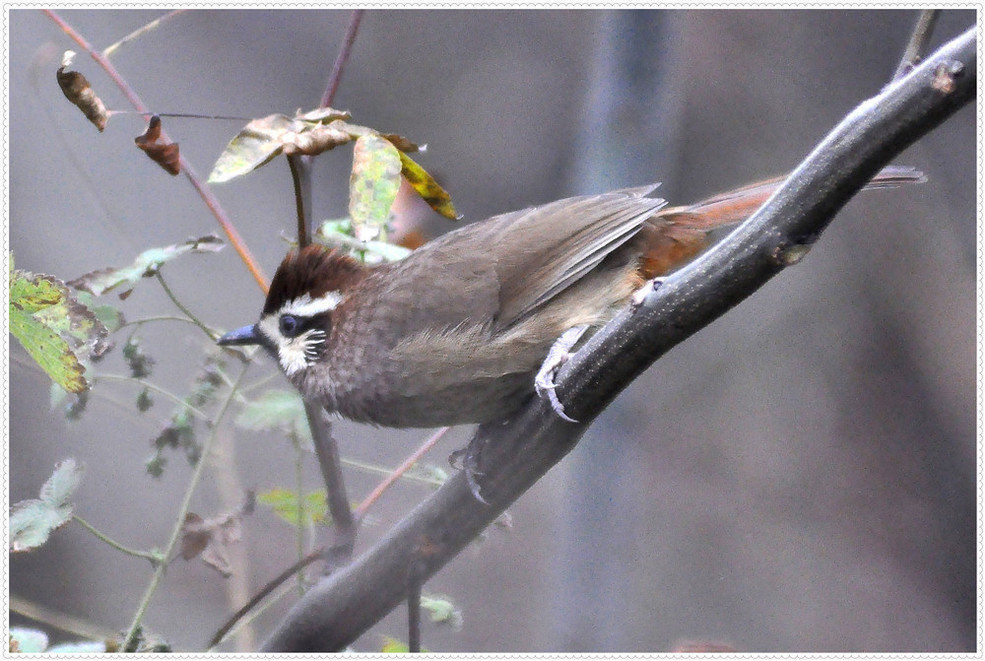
<point x="244" y="335"/>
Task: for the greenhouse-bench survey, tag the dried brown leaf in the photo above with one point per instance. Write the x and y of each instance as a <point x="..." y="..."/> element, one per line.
<point x="145" y="265"/>
<point x="77" y="89"/>
<point x="164" y="154"/>
<point x="323" y="115"/>
<point x="194" y="536"/>
<point x="210" y="538"/>
<point x="315" y="140"/>
<point x="402" y="143"/>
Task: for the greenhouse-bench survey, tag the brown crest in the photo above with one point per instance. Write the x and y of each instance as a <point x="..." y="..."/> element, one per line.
<point x="313" y="270"/>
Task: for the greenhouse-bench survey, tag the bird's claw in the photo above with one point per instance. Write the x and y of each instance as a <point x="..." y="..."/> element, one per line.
<point x="469" y="456"/>
<point x="558" y="355"/>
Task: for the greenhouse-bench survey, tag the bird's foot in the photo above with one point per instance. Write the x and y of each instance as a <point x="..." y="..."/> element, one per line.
<point x="469" y="458"/>
<point x="558" y="355"/>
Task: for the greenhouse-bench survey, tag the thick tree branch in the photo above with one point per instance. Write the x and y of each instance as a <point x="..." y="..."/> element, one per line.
<point x="518" y="452"/>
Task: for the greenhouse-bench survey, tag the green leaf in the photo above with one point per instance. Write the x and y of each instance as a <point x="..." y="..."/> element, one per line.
<point x="425" y="185"/>
<point x="281" y="410"/>
<point x="258" y="143"/>
<point x="109" y="316"/>
<point x="442" y="610"/>
<point x="138" y="361"/>
<point x="144" y="400"/>
<point x="32" y="520"/>
<point x="394" y="646"/>
<point x="373" y="184"/>
<point x="144" y="266"/>
<point x="338" y="234"/>
<point x="27" y="640"/>
<point x="284" y="503"/>
<point x="58" y="332"/>
<point x="62" y="484"/>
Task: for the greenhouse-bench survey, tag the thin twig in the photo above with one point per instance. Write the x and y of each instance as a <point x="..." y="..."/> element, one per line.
<point x="917" y="46"/>
<point x="301" y="176"/>
<point x="336" y="77"/>
<point x="203" y="190"/>
<point x="326" y="447"/>
<point x="73" y="625"/>
<point x="301" y="513"/>
<point x="396" y="474"/>
<point x="381" y="470"/>
<point x="272" y="585"/>
<point x="163" y="317"/>
<point x="155" y="558"/>
<point x="181" y="115"/>
<point x="141" y="31"/>
<point x="246" y="618"/>
<point x="212" y="335"/>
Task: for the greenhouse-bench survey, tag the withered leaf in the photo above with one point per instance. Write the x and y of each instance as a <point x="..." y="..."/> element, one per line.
<point x="210" y="538"/>
<point x="402" y="143"/>
<point x="323" y="115"/>
<point x="255" y="145"/>
<point x="309" y="133"/>
<point x="76" y="89"/>
<point x="316" y="139"/>
<point x="164" y="154"/>
<point x="144" y="266"/>
<point x="429" y="189"/>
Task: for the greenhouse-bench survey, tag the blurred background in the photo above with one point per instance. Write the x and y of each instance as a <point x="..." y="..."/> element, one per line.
<point x="799" y="476"/>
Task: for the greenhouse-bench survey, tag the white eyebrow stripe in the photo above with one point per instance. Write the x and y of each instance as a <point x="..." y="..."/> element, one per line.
<point x="306" y="307"/>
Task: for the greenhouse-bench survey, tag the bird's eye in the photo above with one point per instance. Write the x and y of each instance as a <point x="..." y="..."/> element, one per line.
<point x="289" y="325"/>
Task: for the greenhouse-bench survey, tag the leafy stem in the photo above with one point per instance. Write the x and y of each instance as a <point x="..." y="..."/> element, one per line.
<point x="162" y="317"/>
<point x="161" y="391"/>
<point x="155" y="558"/>
<point x="131" y="634"/>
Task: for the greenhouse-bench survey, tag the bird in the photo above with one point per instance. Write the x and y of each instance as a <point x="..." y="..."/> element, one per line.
<point x="457" y="332"/>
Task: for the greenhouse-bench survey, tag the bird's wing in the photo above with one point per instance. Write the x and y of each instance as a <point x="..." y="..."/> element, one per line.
<point x="544" y="250"/>
<point x="495" y="272"/>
